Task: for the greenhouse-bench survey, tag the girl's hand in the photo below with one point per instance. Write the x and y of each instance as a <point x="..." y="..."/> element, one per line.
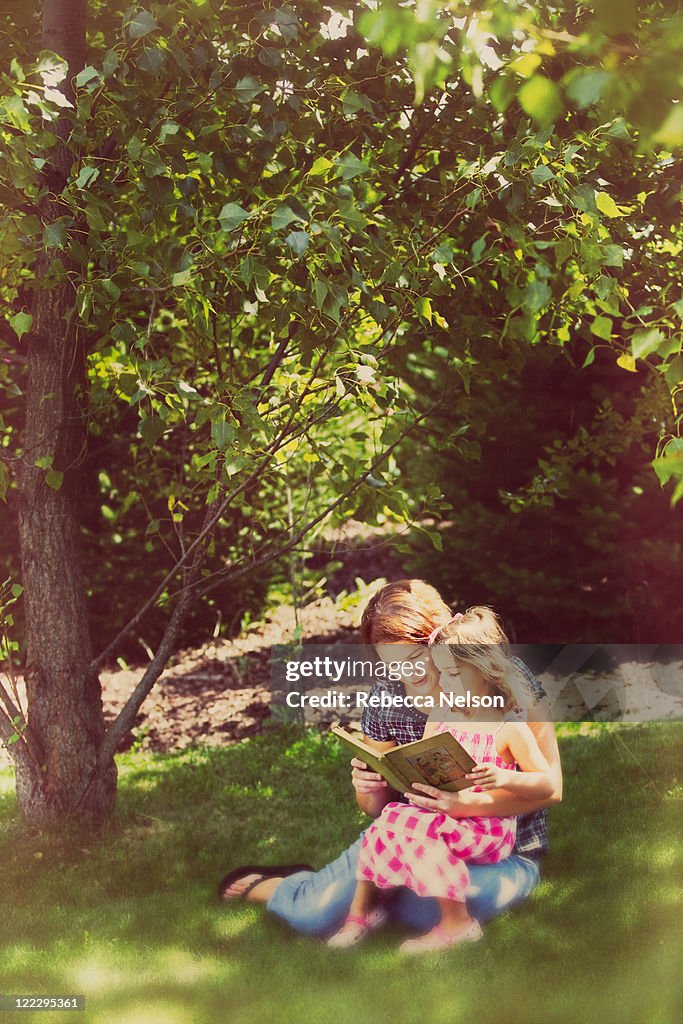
<point x="433" y="799"/>
<point x="363" y="779"/>
<point x="488" y="776"/>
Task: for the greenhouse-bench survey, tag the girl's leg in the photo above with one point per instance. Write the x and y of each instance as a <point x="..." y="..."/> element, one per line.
<point x="454" y="916"/>
<point x="356" y="924"/>
<point x="363" y="900"/>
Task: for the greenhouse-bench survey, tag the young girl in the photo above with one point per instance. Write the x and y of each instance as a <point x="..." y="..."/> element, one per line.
<point x="426" y="850"/>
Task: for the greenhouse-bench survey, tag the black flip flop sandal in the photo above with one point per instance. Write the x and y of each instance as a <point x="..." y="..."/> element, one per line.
<point x="263" y="871"/>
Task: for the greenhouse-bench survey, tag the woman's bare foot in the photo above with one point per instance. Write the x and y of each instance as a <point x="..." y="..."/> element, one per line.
<point x="256" y="882"/>
<point x="252" y="887"/>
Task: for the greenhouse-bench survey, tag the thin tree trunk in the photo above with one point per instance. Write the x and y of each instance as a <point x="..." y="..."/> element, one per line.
<point x="64" y="694"/>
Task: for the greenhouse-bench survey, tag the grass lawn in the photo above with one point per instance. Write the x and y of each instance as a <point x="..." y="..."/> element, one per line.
<point x="128" y="918"/>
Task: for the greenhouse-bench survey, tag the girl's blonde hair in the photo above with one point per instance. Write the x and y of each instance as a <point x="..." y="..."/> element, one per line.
<point x="477" y="637"/>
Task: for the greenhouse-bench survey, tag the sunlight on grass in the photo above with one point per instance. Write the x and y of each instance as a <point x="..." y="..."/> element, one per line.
<point x="6" y="781"/>
<point x="153" y="1011"/>
<point x="130" y="918"/>
<point x="233" y="925"/>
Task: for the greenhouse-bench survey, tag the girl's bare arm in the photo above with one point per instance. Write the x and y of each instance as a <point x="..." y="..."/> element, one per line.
<point x="519" y="744"/>
<point x="498" y="802"/>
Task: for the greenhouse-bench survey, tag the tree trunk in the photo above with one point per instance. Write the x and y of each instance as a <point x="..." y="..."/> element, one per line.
<point x="64" y="695"/>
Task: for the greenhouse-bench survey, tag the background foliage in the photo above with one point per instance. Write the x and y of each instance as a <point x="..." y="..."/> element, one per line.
<point x="289" y="243"/>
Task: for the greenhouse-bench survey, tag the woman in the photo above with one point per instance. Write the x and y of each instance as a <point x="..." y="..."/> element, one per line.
<point x="317" y="902"/>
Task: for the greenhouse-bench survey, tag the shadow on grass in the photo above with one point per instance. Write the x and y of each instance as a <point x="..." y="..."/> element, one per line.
<point x="129" y="918"/>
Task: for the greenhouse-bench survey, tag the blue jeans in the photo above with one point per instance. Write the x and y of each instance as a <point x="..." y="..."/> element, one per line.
<point x="316" y="902"/>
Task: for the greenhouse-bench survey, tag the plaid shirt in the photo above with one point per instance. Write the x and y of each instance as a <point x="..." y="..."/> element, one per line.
<point x="406" y="724"/>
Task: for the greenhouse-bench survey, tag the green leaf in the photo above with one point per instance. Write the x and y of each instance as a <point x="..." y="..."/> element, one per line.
<point x="86" y="176"/>
<point x="21" y="324"/>
<point x="54" y="479"/>
<point x="525" y="65"/>
<point x="247" y="269"/>
<point x="541" y="174"/>
<point x="537" y="294"/>
<point x="151" y="428"/>
<point x="222" y="433"/>
<point x="4" y="481"/>
<point x="141" y="24"/>
<point x="111" y="289"/>
<point x="606" y="205"/>
<point x="321" y="166"/>
<point x="436" y="539"/>
<point x="645" y="341"/>
<point x="152" y="59"/>
<point x="670" y="131"/>
<point x="110" y="63"/>
<point x="181" y="278"/>
<point x="320" y="292"/>
<point x="627" y="362"/>
<point x="602" y="328"/>
<point x="587" y="87"/>
<point x="613" y="256"/>
<point x="17" y="590"/>
<point x="248" y="89"/>
<point x="478" y="247"/>
<point x="541" y="99"/>
<point x="349" y="166"/>
<point x="563" y="250"/>
<point x="152" y="164"/>
<point x="670" y="464"/>
<point x="54" y="234"/>
<point x="282" y="217"/>
<point x="14" y="110"/>
<point x="354" y="101"/>
<point x="231" y="216"/>
<point x="168" y="129"/>
<point x="88" y="74"/>
<point x="287" y="22"/>
<point x="298" y="242"/>
<point x="336" y="298"/>
<point x="52" y="68"/>
<point x="423" y="308"/>
<point x="270" y="57"/>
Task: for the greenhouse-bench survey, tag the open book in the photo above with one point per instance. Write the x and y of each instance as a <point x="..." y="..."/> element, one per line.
<point x="437" y="760"/>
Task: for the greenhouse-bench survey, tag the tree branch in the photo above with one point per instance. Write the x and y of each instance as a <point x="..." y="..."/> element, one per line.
<point x="23" y="750"/>
<point x="244" y="567"/>
<point x="209" y="525"/>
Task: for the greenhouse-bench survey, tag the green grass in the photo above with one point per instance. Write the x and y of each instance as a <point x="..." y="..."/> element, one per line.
<point x="128" y="918"/>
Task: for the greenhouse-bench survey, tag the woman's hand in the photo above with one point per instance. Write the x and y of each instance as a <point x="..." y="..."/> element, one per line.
<point x="488" y="776"/>
<point x="363" y="779"/>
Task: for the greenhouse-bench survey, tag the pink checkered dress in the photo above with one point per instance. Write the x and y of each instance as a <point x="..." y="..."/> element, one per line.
<point x="426" y="850"/>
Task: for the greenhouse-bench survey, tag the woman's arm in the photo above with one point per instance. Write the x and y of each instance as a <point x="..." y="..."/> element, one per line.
<point x="533" y="781"/>
<point x="372" y="791"/>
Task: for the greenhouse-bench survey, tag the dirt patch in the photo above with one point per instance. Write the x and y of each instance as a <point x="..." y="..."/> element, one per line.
<point x="221" y="692"/>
